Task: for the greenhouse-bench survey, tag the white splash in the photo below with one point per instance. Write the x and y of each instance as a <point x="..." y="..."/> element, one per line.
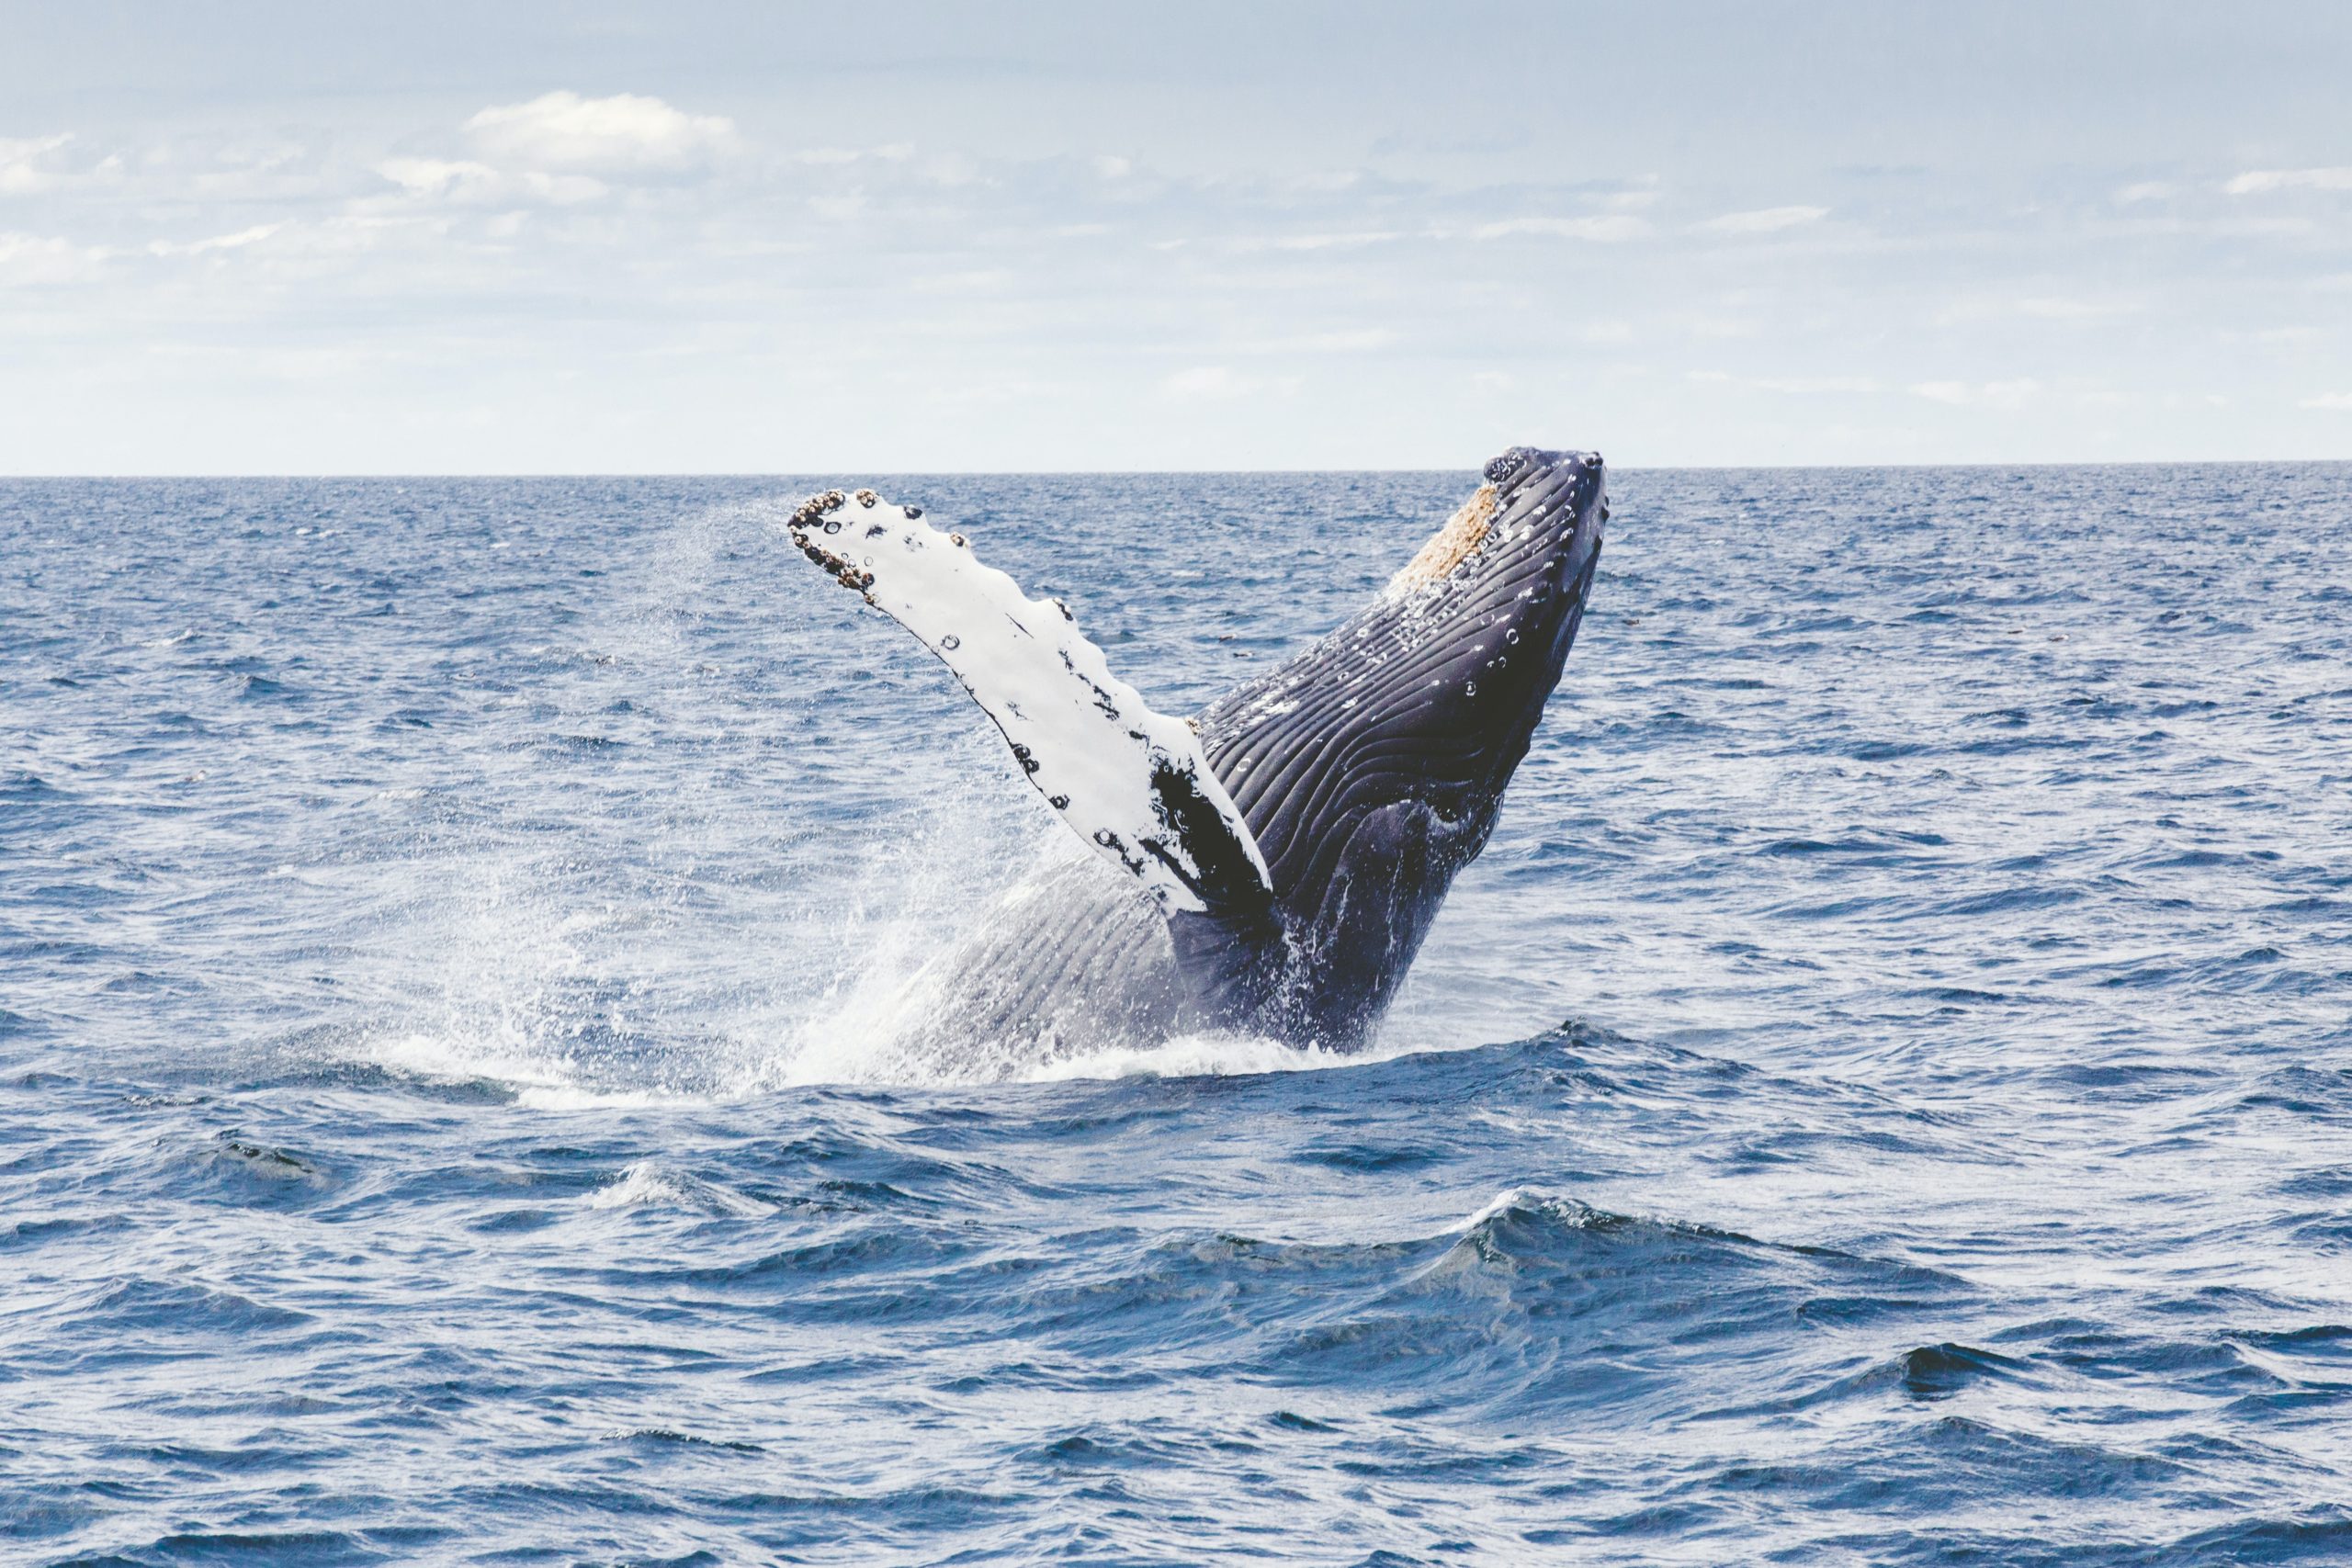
<point x="539" y="1078"/>
<point x="1193" y="1057"/>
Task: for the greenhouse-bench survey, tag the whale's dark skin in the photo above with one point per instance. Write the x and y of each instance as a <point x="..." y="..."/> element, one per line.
<point x="1370" y="769"/>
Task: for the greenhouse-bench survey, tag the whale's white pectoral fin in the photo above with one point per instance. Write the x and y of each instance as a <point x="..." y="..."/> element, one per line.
<point x="1131" y="782"/>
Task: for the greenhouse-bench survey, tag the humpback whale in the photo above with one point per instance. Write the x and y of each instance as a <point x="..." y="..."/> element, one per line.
<point x="1277" y="857"/>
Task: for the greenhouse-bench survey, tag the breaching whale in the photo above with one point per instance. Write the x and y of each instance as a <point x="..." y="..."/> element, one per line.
<point x="1279" y="857"/>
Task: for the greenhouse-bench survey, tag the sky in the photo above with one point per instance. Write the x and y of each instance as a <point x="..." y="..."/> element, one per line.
<point x="776" y="238"/>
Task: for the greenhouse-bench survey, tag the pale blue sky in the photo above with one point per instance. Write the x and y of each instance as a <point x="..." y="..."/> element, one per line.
<point x="582" y="237"/>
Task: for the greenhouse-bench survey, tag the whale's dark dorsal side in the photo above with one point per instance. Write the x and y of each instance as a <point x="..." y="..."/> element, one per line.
<point x="1283" y="854"/>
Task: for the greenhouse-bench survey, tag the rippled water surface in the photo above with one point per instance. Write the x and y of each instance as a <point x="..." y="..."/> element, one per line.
<point x="1884" y="1096"/>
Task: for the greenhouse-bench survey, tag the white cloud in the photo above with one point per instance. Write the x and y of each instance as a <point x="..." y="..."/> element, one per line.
<point x="435" y="176"/>
<point x="2146" y="190"/>
<point x="624" y="132"/>
<point x="1112" y="168"/>
<point x="2255" y="182"/>
<point x="464" y="181"/>
<point x="237" y="241"/>
<point x="1763" y="220"/>
<point x="1983" y="394"/>
<point x="952" y="169"/>
<point x="37" y="259"/>
<point x="2331" y="403"/>
<point x="26" y="166"/>
<point x="1611" y="230"/>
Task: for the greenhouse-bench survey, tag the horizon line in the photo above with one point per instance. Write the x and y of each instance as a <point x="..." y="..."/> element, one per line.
<point x="1131" y="473"/>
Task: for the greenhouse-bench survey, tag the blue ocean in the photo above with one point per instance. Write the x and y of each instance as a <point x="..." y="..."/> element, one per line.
<point x="1883" y="1097"/>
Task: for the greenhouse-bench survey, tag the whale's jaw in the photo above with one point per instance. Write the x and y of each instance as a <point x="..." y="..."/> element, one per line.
<point x="1370" y="769"/>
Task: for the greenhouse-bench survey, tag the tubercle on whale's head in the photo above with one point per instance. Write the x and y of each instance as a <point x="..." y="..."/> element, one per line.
<point x="1535" y="509"/>
<point x="1450" y="545"/>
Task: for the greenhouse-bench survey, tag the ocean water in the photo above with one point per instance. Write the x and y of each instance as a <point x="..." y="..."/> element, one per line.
<point x="1883" y="1097"/>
